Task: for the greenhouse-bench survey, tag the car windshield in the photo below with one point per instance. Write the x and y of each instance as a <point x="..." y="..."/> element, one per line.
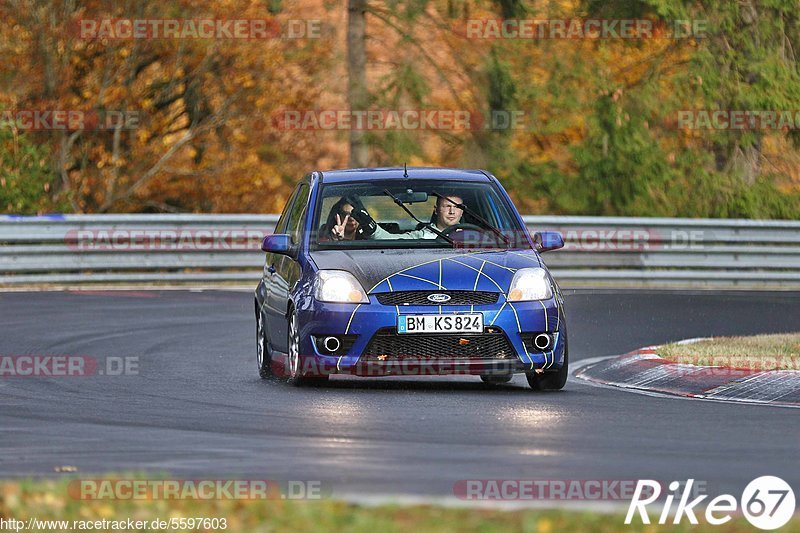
<point x="445" y="214"/>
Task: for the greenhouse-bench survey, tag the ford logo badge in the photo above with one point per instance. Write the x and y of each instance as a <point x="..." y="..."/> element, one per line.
<point x="439" y="298"/>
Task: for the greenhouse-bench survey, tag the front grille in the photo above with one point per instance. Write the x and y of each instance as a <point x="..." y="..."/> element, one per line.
<point x="387" y="344"/>
<point x="421" y="298"/>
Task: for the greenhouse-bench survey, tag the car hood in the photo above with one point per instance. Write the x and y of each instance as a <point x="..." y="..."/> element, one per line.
<point x="429" y="269"/>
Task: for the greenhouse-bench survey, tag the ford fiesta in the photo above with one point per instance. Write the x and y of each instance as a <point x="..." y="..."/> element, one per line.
<point x="419" y="271"/>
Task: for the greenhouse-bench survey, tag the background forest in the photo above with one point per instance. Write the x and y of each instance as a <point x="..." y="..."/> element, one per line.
<point x="600" y="133"/>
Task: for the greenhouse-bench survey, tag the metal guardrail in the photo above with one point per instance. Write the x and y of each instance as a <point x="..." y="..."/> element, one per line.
<point x="708" y="253"/>
<point x="211" y="249"/>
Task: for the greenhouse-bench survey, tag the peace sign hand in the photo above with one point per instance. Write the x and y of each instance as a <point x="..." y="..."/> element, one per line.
<point x="338" y="230"/>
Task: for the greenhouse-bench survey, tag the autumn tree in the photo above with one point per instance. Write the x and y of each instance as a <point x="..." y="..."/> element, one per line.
<point x="203" y="139"/>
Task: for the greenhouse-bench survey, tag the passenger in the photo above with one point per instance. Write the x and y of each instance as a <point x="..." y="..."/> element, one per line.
<point x="341" y="225"/>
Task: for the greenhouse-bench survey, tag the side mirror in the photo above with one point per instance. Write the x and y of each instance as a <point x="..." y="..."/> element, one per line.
<point x="280" y="243"/>
<point x="548" y="240"/>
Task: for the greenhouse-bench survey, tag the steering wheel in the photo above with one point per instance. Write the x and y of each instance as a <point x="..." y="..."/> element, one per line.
<point x="464" y="226"/>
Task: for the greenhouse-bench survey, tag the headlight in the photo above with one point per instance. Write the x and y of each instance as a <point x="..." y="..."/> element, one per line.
<point x="530" y="284"/>
<point x="338" y="286"/>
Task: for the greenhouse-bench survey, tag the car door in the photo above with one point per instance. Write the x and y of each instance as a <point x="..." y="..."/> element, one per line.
<point x="271" y="264"/>
<point x="287" y="272"/>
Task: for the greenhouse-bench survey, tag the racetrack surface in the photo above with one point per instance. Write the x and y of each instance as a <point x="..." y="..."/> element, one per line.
<point x="198" y="409"/>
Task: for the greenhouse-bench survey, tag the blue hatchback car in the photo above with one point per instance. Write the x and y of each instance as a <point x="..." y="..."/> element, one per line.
<point x="418" y="271"/>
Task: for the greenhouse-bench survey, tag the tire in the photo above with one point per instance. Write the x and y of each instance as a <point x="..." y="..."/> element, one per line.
<point x="551" y="380"/>
<point x="295" y="373"/>
<point x="499" y="379"/>
<point x="263" y="353"/>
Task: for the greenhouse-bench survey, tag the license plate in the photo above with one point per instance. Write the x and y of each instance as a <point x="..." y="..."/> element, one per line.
<point x="467" y="323"/>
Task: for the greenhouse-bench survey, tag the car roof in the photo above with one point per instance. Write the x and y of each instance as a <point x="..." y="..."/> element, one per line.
<point x="398" y="173"/>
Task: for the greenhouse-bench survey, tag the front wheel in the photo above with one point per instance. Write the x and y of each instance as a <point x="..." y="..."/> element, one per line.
<point x="551" y="380"/>
<point x="296" y="376"/>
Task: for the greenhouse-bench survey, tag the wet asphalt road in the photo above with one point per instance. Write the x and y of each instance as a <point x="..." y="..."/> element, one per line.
<point x="197" y="408"/>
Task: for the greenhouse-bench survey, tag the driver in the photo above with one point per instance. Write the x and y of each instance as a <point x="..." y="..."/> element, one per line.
<point x="446" y="214"/>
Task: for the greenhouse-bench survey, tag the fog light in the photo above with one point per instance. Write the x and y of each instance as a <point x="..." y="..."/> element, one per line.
<point x="331" y="344"/>
<point x="542" y="341"/>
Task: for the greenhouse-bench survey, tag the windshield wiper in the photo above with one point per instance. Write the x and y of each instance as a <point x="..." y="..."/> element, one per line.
<point x="485" y="223"/>
<point x="427" y="224"/>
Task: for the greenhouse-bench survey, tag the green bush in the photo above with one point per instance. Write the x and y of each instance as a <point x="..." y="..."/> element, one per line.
<point x="26" y="180"/>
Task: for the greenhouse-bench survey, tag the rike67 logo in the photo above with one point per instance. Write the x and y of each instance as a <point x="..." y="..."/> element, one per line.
<point x="767" y="503"/>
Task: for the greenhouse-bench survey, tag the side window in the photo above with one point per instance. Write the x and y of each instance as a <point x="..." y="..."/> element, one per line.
<point x="295" y="222"/>
<point x="280" y="227"/>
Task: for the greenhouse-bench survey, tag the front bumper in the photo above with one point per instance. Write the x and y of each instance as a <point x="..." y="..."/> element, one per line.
<point x="361" y="322"/>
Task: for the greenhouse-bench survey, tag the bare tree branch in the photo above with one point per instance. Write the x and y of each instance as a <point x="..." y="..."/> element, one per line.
<point x="66" y="146"/>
